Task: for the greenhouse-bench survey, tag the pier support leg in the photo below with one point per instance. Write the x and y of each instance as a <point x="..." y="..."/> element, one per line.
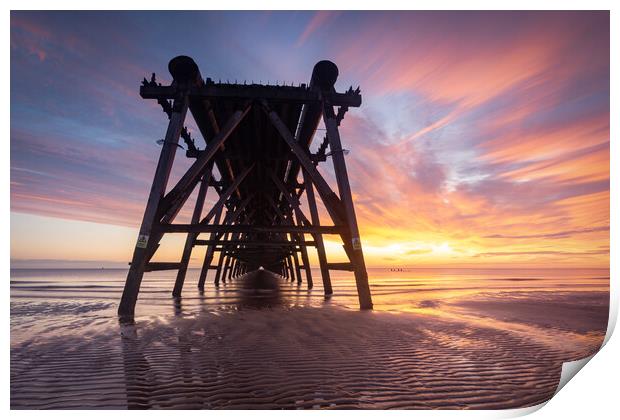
<point x="191" y="237"/>
<point x="145" y="244"/>
<point x="297" y="267"/>
<point x="226" y="268"/>
<point x="233" y="267"/>
<point x="306" y="263"/>
<point x="353" y="243"/>
<point x="291" y="270"/>
<point x="285" y="273"/>
<point x="208" y="255"/>
<point x="318" y="238"/>
<point x="218" y="271"/>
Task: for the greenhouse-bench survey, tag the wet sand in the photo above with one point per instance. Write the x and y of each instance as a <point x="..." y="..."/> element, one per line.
<point x="480" y="351"/>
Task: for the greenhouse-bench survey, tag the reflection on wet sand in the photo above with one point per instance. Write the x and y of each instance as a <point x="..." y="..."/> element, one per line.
<point x="476" y="344"/>
<point x="313" y="358"/>
<point x="138" y="379"/>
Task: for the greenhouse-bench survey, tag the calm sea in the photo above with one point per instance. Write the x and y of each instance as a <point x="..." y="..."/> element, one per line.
<point x="78" y="296"/>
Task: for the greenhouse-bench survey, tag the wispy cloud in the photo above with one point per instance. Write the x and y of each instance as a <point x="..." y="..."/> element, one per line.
<point x="562" y="234"/>
<point x="319" y="19"/>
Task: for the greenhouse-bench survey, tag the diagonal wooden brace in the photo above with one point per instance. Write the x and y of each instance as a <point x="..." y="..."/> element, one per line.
<point x="330" y="199"/>
<point x="226" y="195"/>
<point x="293" y="201"/>
<point x="175" y="199"/>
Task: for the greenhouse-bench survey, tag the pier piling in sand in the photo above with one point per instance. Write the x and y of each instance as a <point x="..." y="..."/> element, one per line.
<point x="257" y="140"/>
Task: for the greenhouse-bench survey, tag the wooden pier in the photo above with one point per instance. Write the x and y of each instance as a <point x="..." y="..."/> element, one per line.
<point x="257" y="141"/>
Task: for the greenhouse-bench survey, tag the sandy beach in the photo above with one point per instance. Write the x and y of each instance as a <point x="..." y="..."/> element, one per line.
<point x="480" y="349"/>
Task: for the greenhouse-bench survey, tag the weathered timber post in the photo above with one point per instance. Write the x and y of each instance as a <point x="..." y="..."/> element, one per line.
<point x="306" y="263"/>
<point x="291" y="269"/>
<point x="318" y="238"/>
<point x="285" y="268"/>
<point x="209" y="254"/>
<point x="297" y="267"/>
<point x="191" y="237"/>
<point x="218" y="270"/>
<point x="227" y="260"/>
<point x="233" y="267"/>
<point x="344" y="189"/>
<point x="144" y="244"/>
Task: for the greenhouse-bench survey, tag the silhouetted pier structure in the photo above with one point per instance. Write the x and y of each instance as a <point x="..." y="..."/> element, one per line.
<point x="258" y="138"/>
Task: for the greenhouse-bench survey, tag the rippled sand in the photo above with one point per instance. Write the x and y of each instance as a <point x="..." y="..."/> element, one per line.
<point x="476" y="350"/>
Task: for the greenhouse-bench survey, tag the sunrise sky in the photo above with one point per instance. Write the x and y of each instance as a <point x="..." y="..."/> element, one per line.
<point x="483" y="138"/>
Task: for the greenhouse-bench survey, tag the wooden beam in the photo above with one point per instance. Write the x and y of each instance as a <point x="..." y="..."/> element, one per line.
<point x="330" y="199"/>
<point x="344" y="266"/>
<point x="252" y="243"/>
<point x="328" y="230"/>
<point x="253" y="92"/>
<point x="159" y="266"/>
